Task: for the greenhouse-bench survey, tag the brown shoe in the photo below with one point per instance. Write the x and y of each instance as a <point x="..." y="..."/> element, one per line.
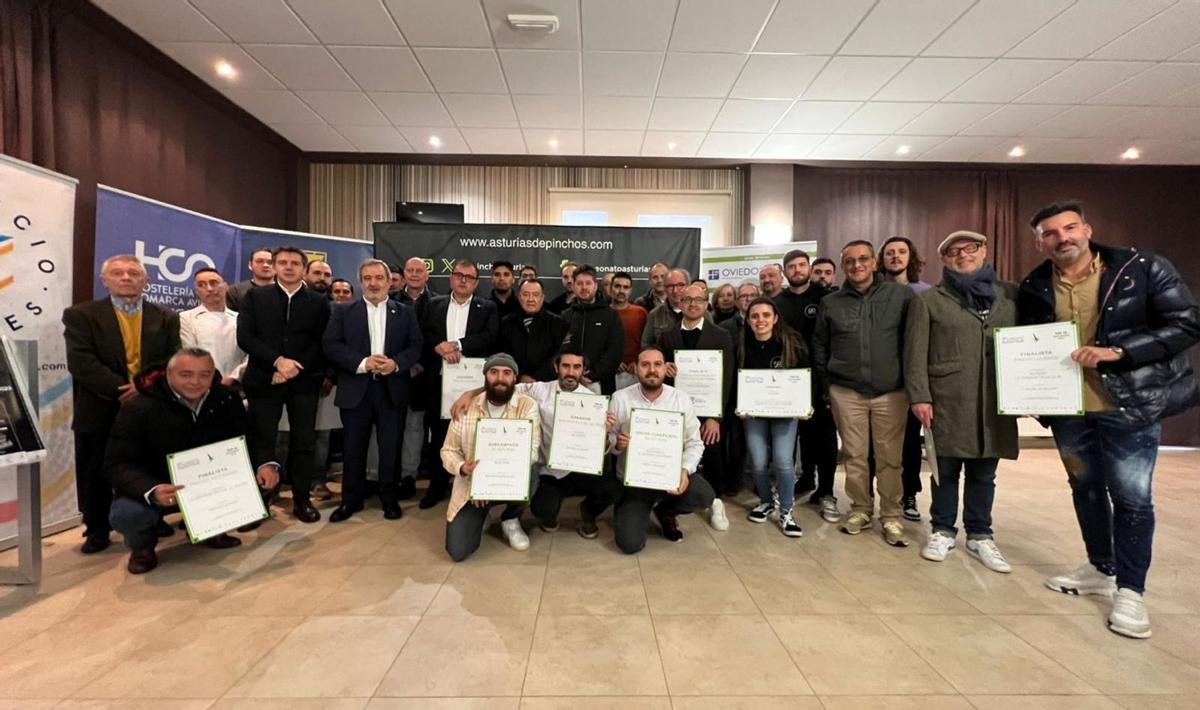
<point x="305" y="512"/>
<point x="142" y="561"/>
<point x="223" y="542"/>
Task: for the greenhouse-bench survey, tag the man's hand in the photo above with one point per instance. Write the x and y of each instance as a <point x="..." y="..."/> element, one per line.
<point x="527" y="379"/>
<point x="326" y="387"/>
<point x="1091" y="356"/>
<point x="622" y="441"/>
<point x="288" y="367"/>
<point x="610" y="422"/>
<point x="710" y="433"/>
<point x="126" y="392"/>
<point x="924" y="414"/>
<point x="448" y="351"/>
<point x="585" y="381"/>
<point x="414" y="371"/>
<point x="164" y="495"/>
<point x="683" y="484"/>
<point x="672" y="370"/>
<point x="468" y="468"/>
<point x="278" y="379"/>
<point x="463" y="403"/>
<point x="267" y="476"/>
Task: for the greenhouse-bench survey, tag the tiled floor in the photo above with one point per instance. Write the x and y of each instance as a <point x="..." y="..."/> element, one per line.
<point x="371" y="614"/>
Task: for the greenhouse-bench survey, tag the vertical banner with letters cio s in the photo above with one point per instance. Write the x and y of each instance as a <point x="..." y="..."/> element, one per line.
<point x="37" y="220"/>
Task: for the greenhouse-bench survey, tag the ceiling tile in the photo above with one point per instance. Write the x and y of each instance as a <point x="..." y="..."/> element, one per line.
<point x="844" y="147"/>
<point x="1157" y="86"/>
<point x="718" y="25"/>
<point x="451" y="140"/>
<point x="302" y="67"/>
<point x="310" y="137"/>
<point x="616" y="112"/>
<point x="854" y="78"/>
<point x="441" y="23"/>
<point x="1006" y="79"/>
<point x="679" y="144"/>
<point x="915" y="147"/>
<point x="612" y="142"/>
<point x="163" y="20"/>
<point x="567" y="141"/>
<point x="1080" y="122"/>
<point x="620" y="73"/>
<point x="881" y="117"/>
<point x="1175" y="29"/>
<point x="1085" y="27"/>
<point x="541" y="72"/>
<point x="481" y="110"/>
<point x="811" y="26"/>
<point x="729" y="145"/>
<point x="930" y="79"/>
<point x="1012" y="120"/>
<point x="817" y="116"/>
<point x="467" y="71"/>
<point x="347" y="108"/>
<point x="494" y="141"/>
<point x="1187" y="97"/>
<point x="749" y="116"/>
<point x="1081" y="81"/>
<point x="1169" y="152"/>
<point x="363" y="22"/>
<point x="266" y="21"/>
<point x="628" y="24"/>
<point x="382" y="68"/>
<point x="200" y="58"/>
<point x="992" y="27"/>
<point x="412" y="109"/>
<point x="946" y="119"/>
<point x="274" y="106"/>
<point x="899" y="27"/>
<point x="548" y="111"/>
<point x="375" y="139"/>
<point x="1157" y="122"/>
<point x="958" y="148"/>
<point x="567" y="36"/>
<point x="776" y="76"/>
<point x="788" y="146"/>
<point x="683" y="114"/>
<point x="699" y="75"/>
<point x="1191" y="55"/>
<point x="1058" y="150"/>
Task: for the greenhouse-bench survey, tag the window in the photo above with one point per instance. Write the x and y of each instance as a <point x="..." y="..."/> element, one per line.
<point x="584" y="218"/>
<point x="702" y="222"/>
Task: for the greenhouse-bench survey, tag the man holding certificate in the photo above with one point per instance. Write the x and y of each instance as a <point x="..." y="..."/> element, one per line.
<point x="1136" y="318"/>
<point x="463" y="453"/>
<point x="181" y="408"/>
<point x="657" y="441"/>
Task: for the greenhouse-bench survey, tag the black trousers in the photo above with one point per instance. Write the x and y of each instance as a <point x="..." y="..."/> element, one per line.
<point x="265" y="411"/>
<point x="910" y="458"/>
<point x="375" y="412"/>
<point x="714" y="464"/>
<point x="632" y="513"/>
<point x="819" y="449"/>
<point x="92" y="489"/>
<point x="598" y="493"/>
<point x="439" y="477"/>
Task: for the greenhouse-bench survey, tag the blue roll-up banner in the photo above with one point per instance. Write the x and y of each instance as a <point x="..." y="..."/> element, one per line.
<point x="343" y="255"/>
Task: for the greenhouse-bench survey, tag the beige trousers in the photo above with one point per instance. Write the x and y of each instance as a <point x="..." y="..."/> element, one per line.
<point x="859" y="420"/>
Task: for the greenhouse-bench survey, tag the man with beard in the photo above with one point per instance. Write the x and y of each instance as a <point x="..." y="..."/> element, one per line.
<point x="633" y="320"/>
<point x="656" y="295"/>
<point x="824" y="272"/>
<point x="567" y="297"/>
<point x="262" y="273"/>
<point x="342" y="291"/>
<point x="395" y="280"/>
<point x="319" y="277"/>
<point x="534" y="335"/>
<point x="770" y="280"/>
<point x="633" y="510"/>
<point x="502" y="289"/>
<point x="465" y="518"/>
<point x="596" y="330"/>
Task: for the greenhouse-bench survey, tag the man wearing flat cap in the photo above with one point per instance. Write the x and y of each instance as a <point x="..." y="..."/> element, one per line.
<point x="950" y="375"/>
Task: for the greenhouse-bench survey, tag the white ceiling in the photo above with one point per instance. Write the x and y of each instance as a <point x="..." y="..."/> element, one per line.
<point x="947" y="80"/>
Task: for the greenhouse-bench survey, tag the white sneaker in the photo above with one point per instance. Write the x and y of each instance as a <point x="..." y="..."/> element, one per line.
<point x="717" y="518"/>
<point x="1129" y="616"/>
<point x="517" y="539"/>
<point x="1085" y="579"/>
<point x="829" y="510"/>
<point x="937" y="546"/>
<point x="986" y="552"/>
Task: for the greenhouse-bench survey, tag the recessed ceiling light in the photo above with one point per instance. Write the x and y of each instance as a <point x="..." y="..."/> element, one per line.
<point x="671" y="145"/>
<point x="1131" y="154"/>
<point x="1016" y="152"/>
<point x="225" y="69"/>
<point x="553" y="142"/>
<point x="435" y="141"/>
<point x="903" y="150"/>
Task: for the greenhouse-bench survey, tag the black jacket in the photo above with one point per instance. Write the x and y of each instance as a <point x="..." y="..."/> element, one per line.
<point x="269" y="327"/>
<point x="421" y="383"/>
<point x="482" y="335"/>
<point x="156" y="423"/>
<point x="800" y="311"/>
<point x="597" y="331"/>
<point x="1147" y="311"/>
<point x="712" y="337"/>
<point x="534" y="350"/>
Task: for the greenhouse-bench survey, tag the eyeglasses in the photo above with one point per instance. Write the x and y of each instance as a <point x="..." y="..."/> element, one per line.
<point x="675" y="286"/>
<point x="464" y="277"/>
<point x="964" y="249"/>
<point x="849" y="261"/>
<point x="695" y="300"/>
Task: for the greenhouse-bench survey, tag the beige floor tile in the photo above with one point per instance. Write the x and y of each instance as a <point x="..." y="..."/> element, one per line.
<point x="898" y="589"/>
<point x="590" y="655"/>
<point x="29" y="704"/>
<point x="1023" y="591"/>
<point x="612" y="586"/>
<point x="853" y="655"/>
<point x="977" y="655"/>
<point x="586" y="703"/>
<point x="896" y="702"/>
<point x="386" y="590"/>
<point x="796" y="587"/>
<point x="352" y="542"/>
<point x="19" y="629"/>
<point x="1043" y="702"/>
<point x="420" y="542"/>
<point x="708" y="655"/>
<point x="328" y="656"/>
<point x="444" y="704"/>
<point x="144" y="704"/>
<point x="697" y="545"/>
<point x="1158" y="702"/>
<point x="695" y="588"/>
<point x="736" y="702"/>
<point x="1178" y="635"/>
<point x="489" y="590"/>
<point x="278" y="589"/>
<point x="290" y="704"/>
<point x="568" y="549"/>
<point x="833" y="548"/>
<point x="454" y="656"/>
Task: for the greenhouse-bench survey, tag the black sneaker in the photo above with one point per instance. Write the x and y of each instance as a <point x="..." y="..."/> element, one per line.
<point x="587" y="529"/>
<point x="788" y="524"/>
<point x="909" y="504"/>
<point x="670" y="527"/>
<point x="761" y="512"/>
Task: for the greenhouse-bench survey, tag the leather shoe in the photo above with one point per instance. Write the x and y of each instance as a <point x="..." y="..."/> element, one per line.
<point x="408" y="488"/>
<point x="95" y="543"/>
<point x="303" y="511"/>
<point x="433" y="495"/>
<point x="142" y="561"/>
<point x="223" y="542"/>
<point x="342" y="512"/>
<point x="391" y="510"/>
<point x="249" y="527"/>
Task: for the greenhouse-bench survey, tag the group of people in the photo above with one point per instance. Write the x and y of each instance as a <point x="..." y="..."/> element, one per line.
<point x="891" y="356"/>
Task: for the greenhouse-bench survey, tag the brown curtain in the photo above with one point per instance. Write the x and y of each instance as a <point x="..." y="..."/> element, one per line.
<point x="26" y="92"/>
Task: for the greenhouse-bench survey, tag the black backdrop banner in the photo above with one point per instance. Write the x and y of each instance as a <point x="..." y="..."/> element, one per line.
<point x="630" y="249"/>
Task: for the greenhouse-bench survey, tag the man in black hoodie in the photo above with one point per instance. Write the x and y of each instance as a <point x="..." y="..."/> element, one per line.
<point x="595" y="329"/>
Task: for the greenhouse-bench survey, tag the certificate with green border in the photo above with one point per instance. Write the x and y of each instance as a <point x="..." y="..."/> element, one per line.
<point x="504" y="449"/>
<point x="219" y="491"/>
<point x="458" y="377"/>
<point x="654" y="459"/>
<point x="775" y="394"/>
<point x="579" y="433"/>
<point x="700" y="374"/>
<point x="1035" y="374"/>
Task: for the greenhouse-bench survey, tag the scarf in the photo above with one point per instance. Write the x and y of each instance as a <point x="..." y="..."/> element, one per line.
<point x="977" y="287"/>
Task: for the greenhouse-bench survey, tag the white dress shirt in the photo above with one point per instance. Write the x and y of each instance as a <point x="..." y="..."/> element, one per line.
<point x="216" y="332"/>
<point x="456" y="320"/>
<point x="624" y="401"/>
<point x="544" y="393"/>
<point x="377" y="327"/>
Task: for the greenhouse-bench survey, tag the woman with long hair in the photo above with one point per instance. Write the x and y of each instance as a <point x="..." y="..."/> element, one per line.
<point x="724" y="303"/>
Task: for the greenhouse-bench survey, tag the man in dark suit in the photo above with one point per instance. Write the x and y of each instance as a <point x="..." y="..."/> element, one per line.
<point x="414" y="450"/>
<point x="534" y="335"/>
<point x="109" y="341"/>
<point x="280" y="328"/>
<point x="372" y="343"/>
<point x="456" y="326"/>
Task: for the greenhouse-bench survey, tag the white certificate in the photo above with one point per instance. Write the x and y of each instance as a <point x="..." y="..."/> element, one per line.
<point x="466" y="374"/>
<point x="655" y="456"/>
<point x="504" y="449"/>
<point x="781" y="394"/>
<point x="579" y="435"/>
<point x="701" y="375"/>
<point x="1034" y="370"/>
<point x="219" y="491"/>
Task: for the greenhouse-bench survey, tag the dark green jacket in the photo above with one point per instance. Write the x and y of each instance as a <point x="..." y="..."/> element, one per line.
<point x="859" y="338"/>
<point x="949" y="363"/>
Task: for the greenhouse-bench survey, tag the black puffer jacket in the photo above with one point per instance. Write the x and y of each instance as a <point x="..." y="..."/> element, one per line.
<point x="596" y="330"/>
<point x="1146" y="310"/>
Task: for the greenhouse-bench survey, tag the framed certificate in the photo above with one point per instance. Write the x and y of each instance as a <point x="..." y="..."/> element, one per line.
<point x="504" y="449"/>
<point x="219" y="491"/>
<point x="775" y="394"/>
<point x="1034" y="370"/>
<point x="655" y="455"/>
<point x="458" y="377"/>
<point x="701" y="375"/>
<point x="579" y="435"/>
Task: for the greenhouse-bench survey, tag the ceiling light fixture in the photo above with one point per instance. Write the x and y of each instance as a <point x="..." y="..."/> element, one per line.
<point x="533" y="23"/>
<point x="553" y="142"/>
<point x="903" y="150"/>
<point x="435" y="141"/>
<point x="225" y="69"/>
<point x="1016" y="152"/>
<point x="671" y="145"/>
<point x="1131" y="154"/>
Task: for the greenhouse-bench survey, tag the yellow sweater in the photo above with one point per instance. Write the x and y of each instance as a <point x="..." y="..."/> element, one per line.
<point x="131" y="336"/>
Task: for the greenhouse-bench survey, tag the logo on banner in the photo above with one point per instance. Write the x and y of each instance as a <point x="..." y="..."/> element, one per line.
<point x="428" y="265"/>
<point x="316" y="255"/>
<point x="714" y="274"/>
<point x="9" y="270"/>
<point x="166" y="255"/>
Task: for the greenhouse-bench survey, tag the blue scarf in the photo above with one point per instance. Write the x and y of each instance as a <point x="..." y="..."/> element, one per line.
<point x="977" y="287"/>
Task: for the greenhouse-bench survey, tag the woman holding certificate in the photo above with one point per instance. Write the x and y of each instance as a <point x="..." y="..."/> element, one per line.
<point x="767" y="344"/>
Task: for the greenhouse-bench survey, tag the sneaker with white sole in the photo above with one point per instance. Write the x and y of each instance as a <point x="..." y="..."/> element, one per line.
<point x="938" y="546"/>
<point x="829" y="510"/>
<point x="855" y="523"/>
<point x="788" y="524"/>
<point x="717" y="518"/>
<point x="761" y="512"/>
<point x="910" y="510"/>
<point x="986" y="552"/>
<point x="1129" y="616"/>
<point x="893" y="534"/>
<point x="1083" y="580"/>
<point x="517" y="539"/>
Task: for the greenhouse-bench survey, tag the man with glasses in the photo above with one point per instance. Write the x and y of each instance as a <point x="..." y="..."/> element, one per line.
<point x="667" y="316"/>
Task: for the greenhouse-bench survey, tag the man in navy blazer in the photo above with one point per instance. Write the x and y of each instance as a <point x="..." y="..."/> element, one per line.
<point x="372" y="343"/>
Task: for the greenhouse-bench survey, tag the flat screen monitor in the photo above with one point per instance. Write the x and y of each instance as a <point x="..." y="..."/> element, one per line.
<point x="429" y="212"/>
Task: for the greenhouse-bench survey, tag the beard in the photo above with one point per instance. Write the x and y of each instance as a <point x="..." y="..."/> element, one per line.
<point x="498" y="392"/>
<point x="651" y="384"/>
<point x="893" y="271"/>
<point x="322" y="287"/>
<point x="568" y="384"/>
<point x="798" y="282"/>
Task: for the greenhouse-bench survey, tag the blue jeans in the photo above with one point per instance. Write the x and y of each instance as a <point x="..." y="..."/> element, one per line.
<point x="780" y="436"/>
<point x="979" y="491"/>
<point x="136" y="521"/>
<point x="1109" y="466"/>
